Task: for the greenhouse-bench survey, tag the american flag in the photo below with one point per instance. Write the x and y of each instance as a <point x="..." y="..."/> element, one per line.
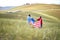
<point x="36" y="24"/>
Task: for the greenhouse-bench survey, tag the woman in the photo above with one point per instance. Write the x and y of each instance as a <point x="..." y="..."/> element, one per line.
<point x="40" y="19"/>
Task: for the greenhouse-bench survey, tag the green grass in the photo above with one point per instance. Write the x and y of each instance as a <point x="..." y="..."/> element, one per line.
<point x="14" y="26"/>
<point x="17" y="28"/>
<point x="11" y="29"/>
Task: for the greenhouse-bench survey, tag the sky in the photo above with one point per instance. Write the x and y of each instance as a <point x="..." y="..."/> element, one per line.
<point x="21" y="2"/>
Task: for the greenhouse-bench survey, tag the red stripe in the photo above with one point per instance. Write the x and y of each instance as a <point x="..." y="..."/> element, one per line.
<point x="37" y="24"/>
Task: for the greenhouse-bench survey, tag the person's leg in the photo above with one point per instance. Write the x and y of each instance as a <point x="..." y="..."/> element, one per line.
<point x="41" y="25"/>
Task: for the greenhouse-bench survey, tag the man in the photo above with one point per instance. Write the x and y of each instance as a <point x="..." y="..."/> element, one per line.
<point x="29" y="18"/>
<point x="32" y="20"/>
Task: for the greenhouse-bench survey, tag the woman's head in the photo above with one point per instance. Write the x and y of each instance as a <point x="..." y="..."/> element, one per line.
<point x="40" y="16"/>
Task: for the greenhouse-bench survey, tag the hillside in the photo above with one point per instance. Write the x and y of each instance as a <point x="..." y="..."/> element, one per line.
<point x="37" y="7"/>
<point x="6" y="8"/>
<point x="14" y="26"/>
<point x="50" y="9"/>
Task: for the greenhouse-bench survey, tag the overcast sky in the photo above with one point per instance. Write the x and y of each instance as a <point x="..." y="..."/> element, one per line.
<point x="21" y="2"/>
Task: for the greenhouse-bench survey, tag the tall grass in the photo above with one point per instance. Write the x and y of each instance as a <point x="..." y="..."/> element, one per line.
<point x="14" y="26"/>
<point x="15" y="29"/>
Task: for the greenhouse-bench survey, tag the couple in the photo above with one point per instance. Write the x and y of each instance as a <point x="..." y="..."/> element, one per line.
<point x="32" y="21"/>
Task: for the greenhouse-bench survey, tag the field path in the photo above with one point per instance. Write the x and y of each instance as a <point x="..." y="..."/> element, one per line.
<point x="52" y="17"/>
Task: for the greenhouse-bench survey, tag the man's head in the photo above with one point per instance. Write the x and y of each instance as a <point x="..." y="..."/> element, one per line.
<point x="29" y="15"/>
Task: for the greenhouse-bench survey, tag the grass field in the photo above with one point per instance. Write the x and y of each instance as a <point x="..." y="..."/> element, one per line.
<point x="14" y="26"/>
